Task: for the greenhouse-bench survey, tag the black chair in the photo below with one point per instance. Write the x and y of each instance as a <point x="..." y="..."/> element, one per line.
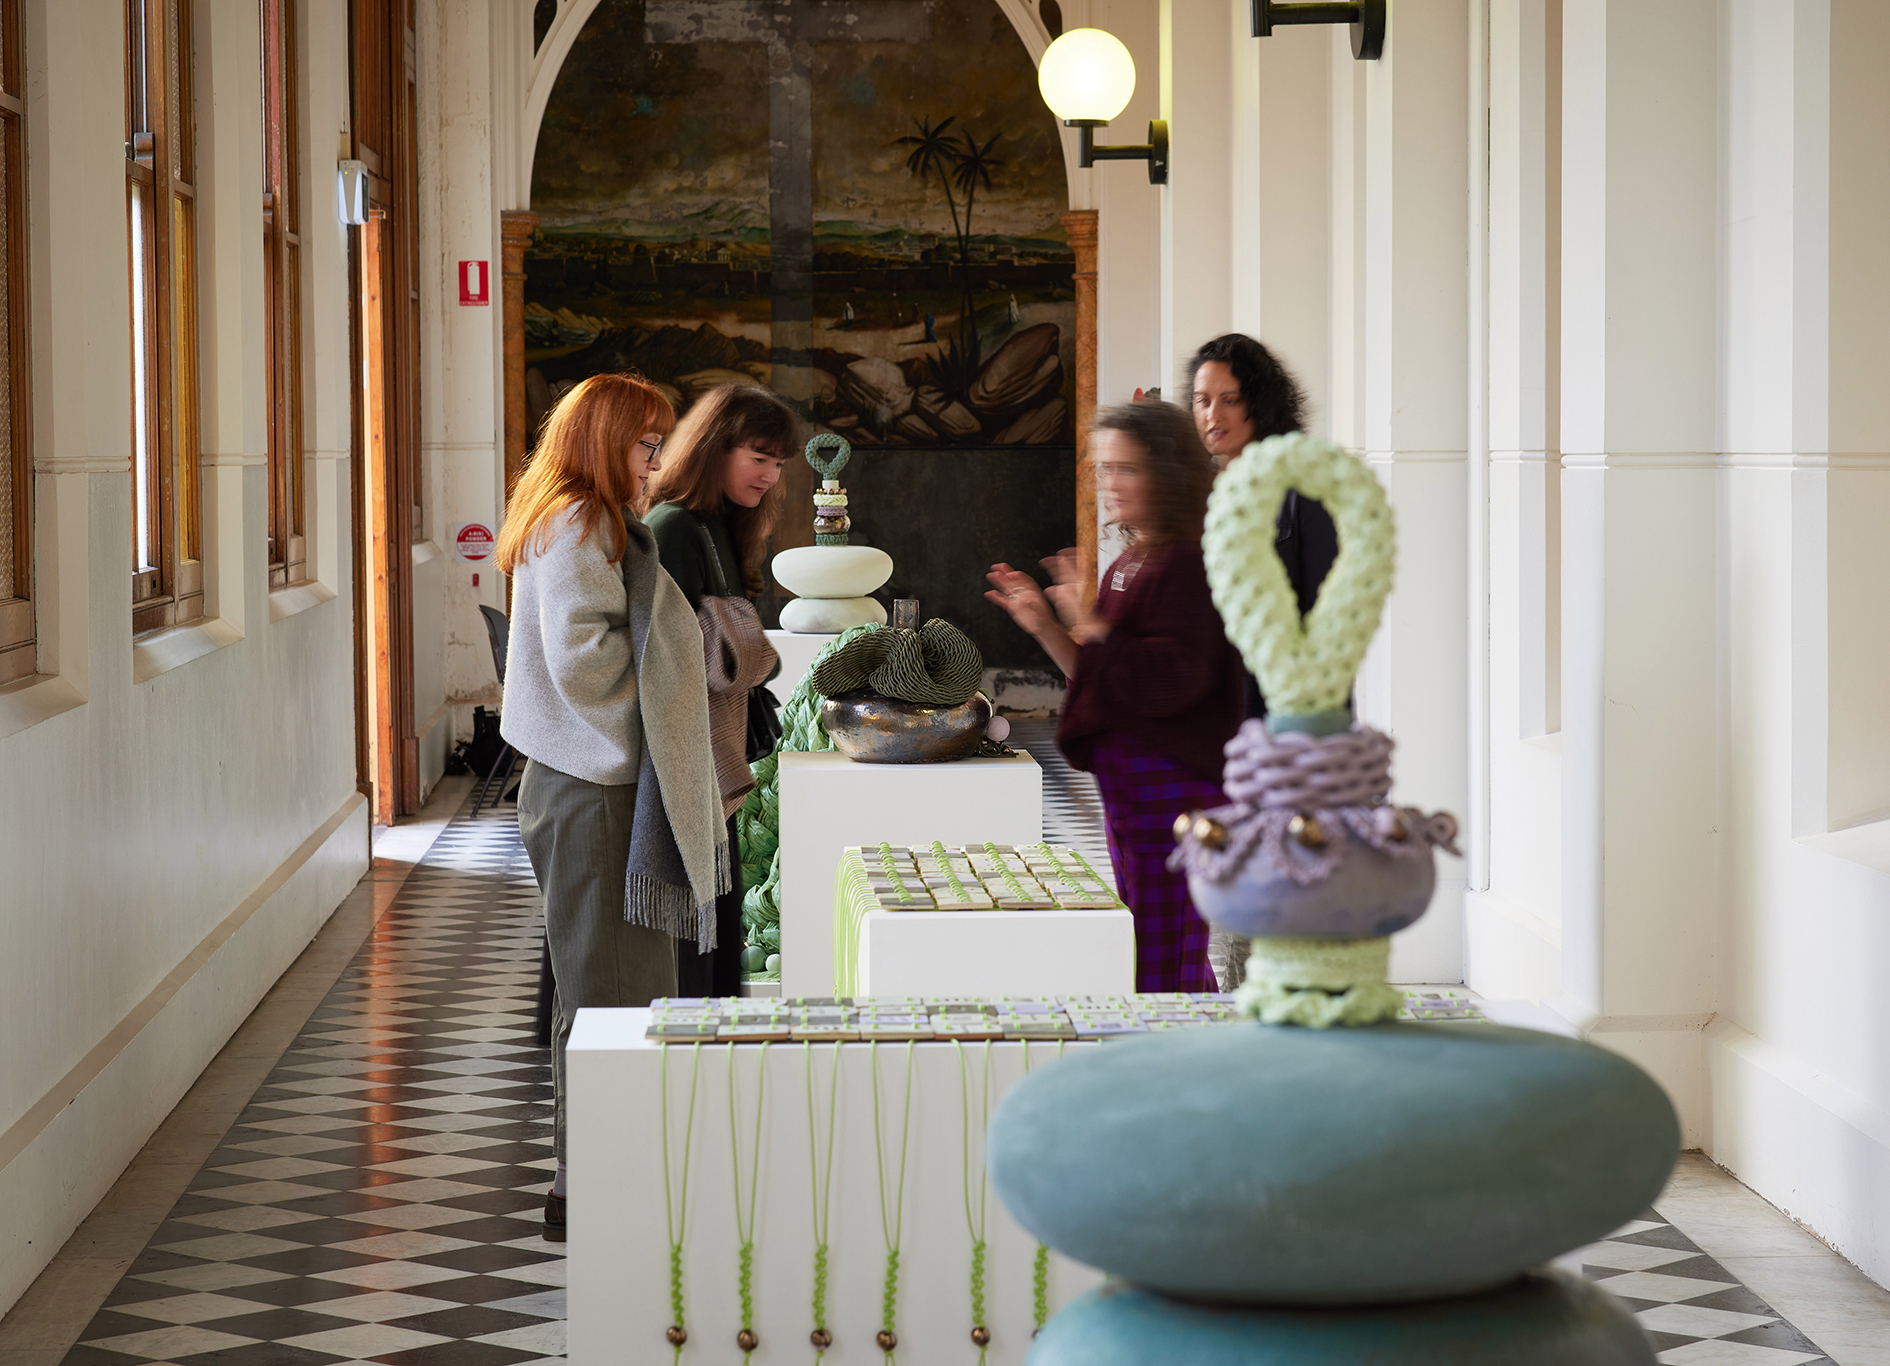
<point x="498" y="632"/>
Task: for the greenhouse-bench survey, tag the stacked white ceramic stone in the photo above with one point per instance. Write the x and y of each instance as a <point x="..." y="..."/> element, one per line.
<point x="831" y="579"/>
<point x="831" y="583"/>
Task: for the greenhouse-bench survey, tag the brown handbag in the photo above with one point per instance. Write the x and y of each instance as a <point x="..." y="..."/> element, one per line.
<point x="738" y="658"/>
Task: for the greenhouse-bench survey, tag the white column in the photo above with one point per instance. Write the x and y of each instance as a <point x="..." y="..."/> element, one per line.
<point x="1639" y="683"/>
<point x="1512" y="926"/>
<point x="462" y="420"/>
<point x="1128" y="217"/>
<point x="233" y="389"/>
<point x="1282" y="171"/>
<point x="1197" y="99"/>
<point x="1415" y="228"/>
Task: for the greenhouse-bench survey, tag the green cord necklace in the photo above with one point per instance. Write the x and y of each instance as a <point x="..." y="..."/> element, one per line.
<point x="890" y="1224"/>
<point x="980" y="1333"/>
<point x="673" y="1220"/>
<point x="822" y="1187"/>
<point x="1040" y="1265"/>
<point x="745" y="1228"/>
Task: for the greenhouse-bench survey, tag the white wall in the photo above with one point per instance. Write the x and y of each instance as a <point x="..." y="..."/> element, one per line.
<point x="176" y="821"/>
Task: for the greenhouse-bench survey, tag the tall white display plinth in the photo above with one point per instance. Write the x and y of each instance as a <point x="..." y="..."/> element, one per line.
<point x="797" y="653"/>
<point x="997" y="953"/>
<point x="619" y="1256"/>
<point x="829" y="802"/>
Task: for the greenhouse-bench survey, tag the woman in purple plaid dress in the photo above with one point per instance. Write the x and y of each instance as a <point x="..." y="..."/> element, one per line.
<point x="1155" y="690"/>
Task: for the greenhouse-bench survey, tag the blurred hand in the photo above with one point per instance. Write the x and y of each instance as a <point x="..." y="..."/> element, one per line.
<point x="1018" y="594"/>
<point x="1068" y="595"/>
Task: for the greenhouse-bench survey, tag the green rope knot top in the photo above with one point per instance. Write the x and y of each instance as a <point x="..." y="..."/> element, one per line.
<point x="1303" y="667"/>
<point x="935" y="666"/>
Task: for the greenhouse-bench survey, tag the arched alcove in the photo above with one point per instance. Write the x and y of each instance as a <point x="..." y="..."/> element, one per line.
<point x="857" y="206"/>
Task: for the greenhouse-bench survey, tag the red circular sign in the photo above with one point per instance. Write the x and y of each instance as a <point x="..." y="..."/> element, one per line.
<point x="474" y="541"/>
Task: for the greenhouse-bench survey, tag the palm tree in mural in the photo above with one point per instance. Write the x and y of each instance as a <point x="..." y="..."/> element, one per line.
<point x="961" y="163"/>
<point x="933" y="150"/>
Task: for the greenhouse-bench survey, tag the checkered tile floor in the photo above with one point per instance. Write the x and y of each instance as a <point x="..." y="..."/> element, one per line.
<point x="1072" y="812"/>
<point x="379" y="1200"/>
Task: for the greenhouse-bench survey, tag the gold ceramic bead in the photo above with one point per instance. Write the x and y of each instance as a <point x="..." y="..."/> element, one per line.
<point x="821" y="1339"/>
<point x="746" y="1340"/>
<point x="887" y="1340"/>
<point x="677" y="1335"/>
<point x="981" y="1336"/>
<point x="1209" y="833"/>
<point x="1183" y="824"/>
<point x="1307" y="830"/>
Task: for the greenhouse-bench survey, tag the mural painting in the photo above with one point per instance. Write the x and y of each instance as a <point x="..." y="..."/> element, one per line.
<point x="854" y="204"/>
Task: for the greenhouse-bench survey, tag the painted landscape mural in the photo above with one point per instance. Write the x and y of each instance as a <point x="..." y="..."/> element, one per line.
<point x="853" y="203"/>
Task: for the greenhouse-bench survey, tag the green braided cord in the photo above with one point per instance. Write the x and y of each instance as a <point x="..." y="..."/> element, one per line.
<point x="829" y="469"/>
<point x="945" y="867"/>
<point x="1010" y="880"/>
<point x="1094" y="875"/>
<point x="890" y="1227"/>
<point x="1302" y="666"/>
<point x="935" y="666"/>
<point x="1040" y="1264"/>
<point x="675" y="1226"/>
<point x="1318" y="983"/>
<point x="1062" y="875"/>
<point x="885" y="865"/>
<point x="745" y="1232"/>
<point x="976" y="1225"/>
<point x="853" y="899"/>
<point x="821" y="1184"/>
<point x="759" y="821"/>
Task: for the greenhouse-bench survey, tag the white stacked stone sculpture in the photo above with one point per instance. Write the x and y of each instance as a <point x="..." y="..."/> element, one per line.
<point x="830" y="579"/>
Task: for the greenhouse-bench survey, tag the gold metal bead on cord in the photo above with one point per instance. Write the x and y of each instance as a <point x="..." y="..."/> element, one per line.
<point x="1307" y="830"/>
<point x="821" y="1339"/>
<point x="746" y="1340"/>
<point x="677" y="1335"/>
<point x="887" y="1340"/>
<point x="981" y="1336"/>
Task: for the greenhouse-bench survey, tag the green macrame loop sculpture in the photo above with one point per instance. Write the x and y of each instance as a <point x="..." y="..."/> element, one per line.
<point x="1309" y="668"/>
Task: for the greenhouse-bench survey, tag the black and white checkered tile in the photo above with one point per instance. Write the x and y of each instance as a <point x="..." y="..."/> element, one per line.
<point x="1693" y="1309"/>
<point x="1072" y="811"/>
<point x="379" y="1200"/>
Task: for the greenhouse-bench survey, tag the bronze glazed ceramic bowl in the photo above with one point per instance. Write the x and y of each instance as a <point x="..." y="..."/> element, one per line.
<point x="871" y="729"/>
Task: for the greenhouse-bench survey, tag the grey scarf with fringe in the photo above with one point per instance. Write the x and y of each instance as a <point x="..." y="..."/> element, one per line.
<point x="679" y="854"/>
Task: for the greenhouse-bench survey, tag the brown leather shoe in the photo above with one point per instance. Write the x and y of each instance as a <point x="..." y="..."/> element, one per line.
<point x="554" y="1218"/>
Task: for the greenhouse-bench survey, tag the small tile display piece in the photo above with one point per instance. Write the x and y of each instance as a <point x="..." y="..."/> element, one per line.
<point x="983" y="877"/>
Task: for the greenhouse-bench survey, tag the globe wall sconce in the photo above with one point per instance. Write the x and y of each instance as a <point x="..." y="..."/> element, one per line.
<point x="1087" y="77"/>
<point x="1367" y="18"/>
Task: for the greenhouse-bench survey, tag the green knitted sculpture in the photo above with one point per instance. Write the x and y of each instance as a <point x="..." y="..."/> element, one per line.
<point x="758" y="823"/>
<point x="1304" y="669"/>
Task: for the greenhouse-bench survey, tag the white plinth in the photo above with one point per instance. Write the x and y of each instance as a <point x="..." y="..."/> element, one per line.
<point x="997" y="953"/>
<point x="797" y="653"/>
<point x="829" y="802"/>
<point x="619" y="1256"/>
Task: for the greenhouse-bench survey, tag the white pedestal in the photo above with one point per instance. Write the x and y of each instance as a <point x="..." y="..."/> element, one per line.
<point x="997" y="953"/>
<point x="829" y="802"/>
<point x="619" y="1256"/>
<point x="797" y="653"/>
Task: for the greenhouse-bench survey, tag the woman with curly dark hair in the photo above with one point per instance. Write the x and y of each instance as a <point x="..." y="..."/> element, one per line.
<point x="1155" y="688"/>
<point x="1241" y="394"/>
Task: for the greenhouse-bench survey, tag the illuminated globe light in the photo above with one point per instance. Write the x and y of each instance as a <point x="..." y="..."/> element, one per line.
<point x="1086" y="75"/>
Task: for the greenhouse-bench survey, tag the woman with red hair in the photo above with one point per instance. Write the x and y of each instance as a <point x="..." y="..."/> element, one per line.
<point x="606" y="696"/>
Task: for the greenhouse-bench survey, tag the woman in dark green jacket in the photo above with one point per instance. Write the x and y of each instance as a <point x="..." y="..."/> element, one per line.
<point x="721" y="475"/>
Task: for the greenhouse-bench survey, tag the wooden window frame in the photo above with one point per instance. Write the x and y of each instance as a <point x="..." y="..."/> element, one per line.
<point x="18" y="652"/>
<point x="282" y="265"/>
<point x="160" y="175"/>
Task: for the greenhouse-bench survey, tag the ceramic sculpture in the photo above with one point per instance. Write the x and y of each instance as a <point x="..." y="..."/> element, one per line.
<point x="1362" y="1189"/>
<point x="831" y="579"/>
<point x="900" y="696"/>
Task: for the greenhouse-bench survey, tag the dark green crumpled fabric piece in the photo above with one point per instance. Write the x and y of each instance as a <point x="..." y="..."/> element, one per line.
<point x="935" y="666"/>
